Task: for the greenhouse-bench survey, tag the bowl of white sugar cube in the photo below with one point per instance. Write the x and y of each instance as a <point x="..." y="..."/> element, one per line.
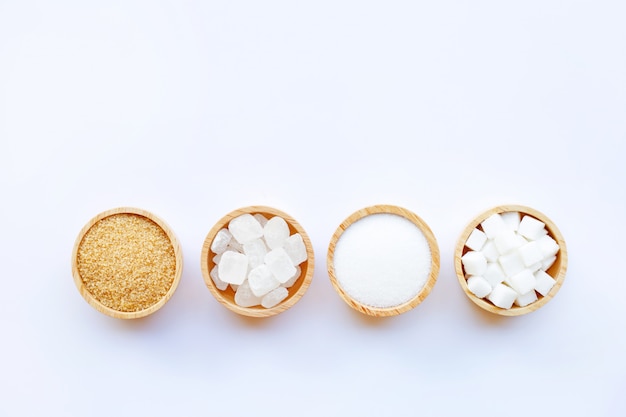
<point x="257" y="261"/>
<point x="511" y="260"/>
<point x="383" y="260"/>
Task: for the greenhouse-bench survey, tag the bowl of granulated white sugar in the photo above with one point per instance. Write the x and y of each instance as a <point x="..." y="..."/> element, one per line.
<point x="383" y="260"/>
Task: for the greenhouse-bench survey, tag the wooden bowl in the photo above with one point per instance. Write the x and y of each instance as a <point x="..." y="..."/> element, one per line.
<point x="556" y="271"/>
<point x="420" y="296"/>
<point x="227" y="297"/>
<point x="144" y="267"/>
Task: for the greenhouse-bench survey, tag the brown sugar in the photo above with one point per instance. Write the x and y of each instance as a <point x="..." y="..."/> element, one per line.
<point x="126" y="262"/>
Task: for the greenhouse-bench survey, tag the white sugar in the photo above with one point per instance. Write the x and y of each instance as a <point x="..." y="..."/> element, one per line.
<point x="245" y="228"/>
<point x="275" y="232"/>
<point x="382" y="260"/>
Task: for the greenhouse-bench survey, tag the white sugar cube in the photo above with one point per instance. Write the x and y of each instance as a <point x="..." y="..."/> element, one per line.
<point x="255" y="251"/>
<point x="274" y="297"/>
<point x="490" y="251"/>
<point x="544" y="283"/>
<point x="478" y="286"/>
<point x="295" y="248"/>
<point x="261" y="219"/>
<point x="493" y="226"/>
<point x="525" y="299"/>
<point x="494" y="274"/>
<point x="530" y="253"/>
<point x="531" y="228"/>
<point x="289" y="283"/>
<point x="244" y="297"/>
<point x="233" y="267"/>
<point x="511" y="219"/>
<point x="546" y="264"/>
<point x="548" y="246"/>
<point x="215" y="276"/>
<point x="261" y="280"/>
<point x="502" y="296"/>
<point x="245" y="228"/>
<point x="275" y="232"/>
<point x="221" y="241"/>
<point x="280" y="264"/>
<point x="535" y="267"/>
<point x="234" y="287"/>
<point x="523" y="281"/>
<point x="511" y="263"/>
<point x="476" y="240"/>
<point x="474" y="263"/>
<point x="507" y="241"/>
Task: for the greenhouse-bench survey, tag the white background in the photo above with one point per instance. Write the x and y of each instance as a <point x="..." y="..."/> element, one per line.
<point x="191" y="109"/>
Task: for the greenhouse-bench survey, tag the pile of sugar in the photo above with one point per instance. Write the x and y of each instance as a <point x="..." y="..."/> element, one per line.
<point x="382" y="260"/>
<point x="126" y="262"/>
<point x="508" y="258"/>
<point x="258" y="258"/>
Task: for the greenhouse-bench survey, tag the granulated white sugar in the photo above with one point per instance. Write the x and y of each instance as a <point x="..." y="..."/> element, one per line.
<point x="382" y="260"/>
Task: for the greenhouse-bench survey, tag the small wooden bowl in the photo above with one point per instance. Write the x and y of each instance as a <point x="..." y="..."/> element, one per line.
<point x="227" y="297"/>
<point x="97" y="304"/>
<point x="556" y="271"/>
<point x="421" y="295"/>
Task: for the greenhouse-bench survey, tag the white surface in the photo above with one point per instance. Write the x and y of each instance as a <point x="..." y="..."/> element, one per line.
<point x="446" y="108"/>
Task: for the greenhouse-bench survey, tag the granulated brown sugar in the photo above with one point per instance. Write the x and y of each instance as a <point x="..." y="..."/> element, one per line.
<point x="126" y="262"/>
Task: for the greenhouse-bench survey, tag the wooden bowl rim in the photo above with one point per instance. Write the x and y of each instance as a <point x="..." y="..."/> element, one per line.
<point x="432" y="243"/>
<point x="94" y="302"/>
<point x="257" y="311"/>
<point x="559" y="275"/>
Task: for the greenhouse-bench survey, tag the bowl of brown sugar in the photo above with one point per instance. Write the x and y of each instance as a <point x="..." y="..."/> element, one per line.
<point x="126" y="263"/>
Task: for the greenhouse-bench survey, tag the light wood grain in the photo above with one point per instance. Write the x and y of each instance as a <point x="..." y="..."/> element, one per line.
<point x="97" y="304"/>
<point x="556" y="271"/>
<point x="227" y="297"/>
<point x="434" y="250"/>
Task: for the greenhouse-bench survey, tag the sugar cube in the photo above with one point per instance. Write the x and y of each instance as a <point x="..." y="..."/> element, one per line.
<point x="511" y="219"/>
<point x="490" y="251"/>
<point x="525" y="299"/>
<point x="275" y="232"/>
<point x="530" y="253"/>
<point x="244" y="297"/>
<point x="261" y="280"/>
<point x="544" y="282"/>
<point x="295" y="248"/>
<point x="233" y="267"/>
<point x="493" y="274"/>
<point x="245" y="228"/>
<point x="255" y="251"/>
<point x="523" y="281"/>
<point x="493" y="226"/>
<point x="546" y="264"/>
<point x="274" y="297"/>
<point x="548" y="246"/>
<point x="476" y="240"/>
<point x="507" y="241"/>
<point x="474" y="263"/>
<point x="478" y="286"/>
<point x="531" y="228"/>
<point x="502" y="296"/>
<point x="280" y="264"/>
<point x="511" y="263"/>
<point x="221" y="241"/>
